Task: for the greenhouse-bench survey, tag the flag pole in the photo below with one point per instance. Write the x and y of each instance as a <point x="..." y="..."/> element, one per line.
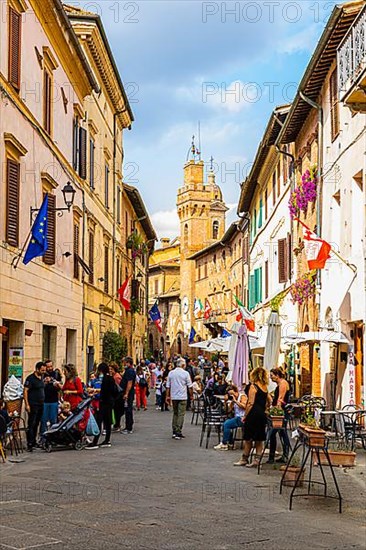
<point x="15" y="261"/>
<point x="351" y="266"/>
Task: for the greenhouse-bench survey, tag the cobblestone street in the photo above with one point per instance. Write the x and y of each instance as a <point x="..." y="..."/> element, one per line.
<point x="149" y="491"/>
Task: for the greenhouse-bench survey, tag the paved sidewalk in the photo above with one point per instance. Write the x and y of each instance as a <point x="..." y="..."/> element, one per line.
<point x="149" y="491"/>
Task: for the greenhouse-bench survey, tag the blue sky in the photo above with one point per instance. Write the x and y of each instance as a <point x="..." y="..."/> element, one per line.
<point x="187" y="61"/>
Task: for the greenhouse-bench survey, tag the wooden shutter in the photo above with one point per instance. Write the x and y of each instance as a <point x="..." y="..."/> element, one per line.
<point x="282" y="251"/>
<point x="334" y="105"/>
<point x="82" y="153"/>
<point x="289" y="256"/>
<point x="75" y="143"/>
<point x="76" y="250"/>
<point x="15" y="33"/>
<point x="106" y="269"/>
<point x="246" y="249"/>
<point x="266" y="204"/>
<point x="156" y="287"/>
<point x="251" y="291"/>
<point x="91" y="257"/>
<point x="12" y="202"/>
<point x="274" y="188"/>
<point x="50" y="256"/>
<point x="259" y="285"/>
<point x="106" y="187"/>
<point x="266" y="281"/>
<point x="278" y="179"/>
<point x="91" y="164"/>
<point x="260" y="215"/>
<point x="47" y="101"/>
<point x="118" y="274"/>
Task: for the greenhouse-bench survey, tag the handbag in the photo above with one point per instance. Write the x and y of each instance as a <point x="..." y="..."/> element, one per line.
<point x="92" y="427"/>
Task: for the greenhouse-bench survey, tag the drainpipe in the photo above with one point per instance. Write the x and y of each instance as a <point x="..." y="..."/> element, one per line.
<point x="114" y="214"/>
<point x="83" y="347"/>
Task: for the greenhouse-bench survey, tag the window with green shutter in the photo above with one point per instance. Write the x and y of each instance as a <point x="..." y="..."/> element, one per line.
<point x="251" y="291"/>
<point x="260" y="216"/>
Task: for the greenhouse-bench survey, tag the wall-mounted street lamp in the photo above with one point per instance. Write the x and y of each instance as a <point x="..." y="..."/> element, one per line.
<point x="69" y="194"/>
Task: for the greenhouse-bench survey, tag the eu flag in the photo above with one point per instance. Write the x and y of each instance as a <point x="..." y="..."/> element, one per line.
<point x="192" y="334"/>
<point x="38" y="244"/>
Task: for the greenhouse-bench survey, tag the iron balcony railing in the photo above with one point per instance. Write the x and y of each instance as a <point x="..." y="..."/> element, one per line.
<point x="352" y="55"/>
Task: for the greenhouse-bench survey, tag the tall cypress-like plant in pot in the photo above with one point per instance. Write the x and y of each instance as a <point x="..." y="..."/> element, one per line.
<point x="114" y="346"/>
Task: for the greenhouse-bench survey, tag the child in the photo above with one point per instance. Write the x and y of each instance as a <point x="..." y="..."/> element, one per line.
<point x="158" y="392"/>
<point x="65" y="411"/>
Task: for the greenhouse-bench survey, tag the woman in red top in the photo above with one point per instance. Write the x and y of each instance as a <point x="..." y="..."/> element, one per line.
<point x="72" y="389"/>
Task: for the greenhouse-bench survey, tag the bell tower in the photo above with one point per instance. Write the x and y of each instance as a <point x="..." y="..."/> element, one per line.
<point x="201" y="212"/>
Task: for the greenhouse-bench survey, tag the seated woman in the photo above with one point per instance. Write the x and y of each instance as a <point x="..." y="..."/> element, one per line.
<point x="280" y="399"/>
<point x="239" y="401"/>
<point x="197" y="386"/>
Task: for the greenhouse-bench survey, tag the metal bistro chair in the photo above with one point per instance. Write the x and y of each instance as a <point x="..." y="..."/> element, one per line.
<point x="3" y="428"/>
<point x="212" y="418"/>
<point x="197" y="408"/>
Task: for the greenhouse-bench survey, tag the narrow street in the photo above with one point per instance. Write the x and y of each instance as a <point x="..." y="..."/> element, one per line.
<point x="149" y="491"/>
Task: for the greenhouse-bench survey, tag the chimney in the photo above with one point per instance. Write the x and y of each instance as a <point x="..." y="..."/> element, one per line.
<point x="165" y="241"/>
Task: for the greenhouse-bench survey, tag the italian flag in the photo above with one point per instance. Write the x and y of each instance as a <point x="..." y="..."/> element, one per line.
<point x="316" y="249"/>
<point x="244" y="315"/>
<point x="197" y="308"/>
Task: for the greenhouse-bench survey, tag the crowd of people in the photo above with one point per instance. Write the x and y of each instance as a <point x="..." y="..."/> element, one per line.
<point x="115" y="391"/>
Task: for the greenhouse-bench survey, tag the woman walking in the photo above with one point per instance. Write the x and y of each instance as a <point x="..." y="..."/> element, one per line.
<point x="255" y="420"/>
<point x="118" y="407"/>
<point x="108" y="393"/>
<point x="72" y="389"/>
<point x="280" y="399"/>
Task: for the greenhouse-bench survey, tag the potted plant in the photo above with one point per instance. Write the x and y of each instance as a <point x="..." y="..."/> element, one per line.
<point x="309" y="429"/>
<point x="339" y="453"/>
<point x="291" y="473"/>
<point x="277" y="417"/>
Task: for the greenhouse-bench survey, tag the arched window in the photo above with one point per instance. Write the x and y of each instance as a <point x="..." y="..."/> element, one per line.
<point x="215" y="230"/>
<point x="179" y="345"/>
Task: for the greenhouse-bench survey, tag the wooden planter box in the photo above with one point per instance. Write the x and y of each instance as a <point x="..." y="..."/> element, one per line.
<point x="315" y="437"/>
<point x="277" y="421"/>
<point x="337" y="458"/>
<point x="291" y="476"/>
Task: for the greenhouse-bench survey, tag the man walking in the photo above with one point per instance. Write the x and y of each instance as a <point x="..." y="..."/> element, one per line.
<point x="128" y="391"/>
<point x="176" y="393"/>
<point x="52" y="388"/>
<point x="34" y="400"/>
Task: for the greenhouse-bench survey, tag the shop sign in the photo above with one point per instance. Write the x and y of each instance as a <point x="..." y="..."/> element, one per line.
<point x="351" y="375"/>
<point x="16" y="362"/>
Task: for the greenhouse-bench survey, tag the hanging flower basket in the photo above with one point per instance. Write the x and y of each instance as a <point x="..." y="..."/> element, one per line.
<point x="304" y="193"/>
<point x="136" y="244"/>
<point x="303" y="289"/>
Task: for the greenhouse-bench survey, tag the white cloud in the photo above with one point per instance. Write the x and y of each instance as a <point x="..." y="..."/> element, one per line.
<point x="303" y="41"/>
<point x="166" y="223"/>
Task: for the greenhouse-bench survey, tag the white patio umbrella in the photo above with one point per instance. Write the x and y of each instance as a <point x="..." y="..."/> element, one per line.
<point x="273" y="342"/>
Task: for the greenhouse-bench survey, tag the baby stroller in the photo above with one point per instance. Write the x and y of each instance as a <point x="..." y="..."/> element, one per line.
<point x="67" y="433"/>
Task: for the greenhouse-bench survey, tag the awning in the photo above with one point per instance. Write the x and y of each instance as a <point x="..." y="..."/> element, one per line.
<point x="222" y="344"/>
<point x="330" y="336"/>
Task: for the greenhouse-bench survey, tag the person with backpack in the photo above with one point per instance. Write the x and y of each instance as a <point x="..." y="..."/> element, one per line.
<point x="141" y="388"/>
<point x="108" y="393"/>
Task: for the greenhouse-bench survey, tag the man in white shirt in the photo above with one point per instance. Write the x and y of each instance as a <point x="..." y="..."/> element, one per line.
<point x="177" y="383"/>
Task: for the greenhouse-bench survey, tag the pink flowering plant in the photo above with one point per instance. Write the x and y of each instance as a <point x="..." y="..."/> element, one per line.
<point x="303" y="289"/>
<point x="304" y="193"/>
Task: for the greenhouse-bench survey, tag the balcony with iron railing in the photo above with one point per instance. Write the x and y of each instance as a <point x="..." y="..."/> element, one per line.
<point x="351" y="57"/>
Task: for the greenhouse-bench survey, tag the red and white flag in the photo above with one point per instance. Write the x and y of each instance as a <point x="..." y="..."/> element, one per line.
<point x="124" y="294"/>
<point x="208" y="309"/>
<point x="316" y="249"/>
